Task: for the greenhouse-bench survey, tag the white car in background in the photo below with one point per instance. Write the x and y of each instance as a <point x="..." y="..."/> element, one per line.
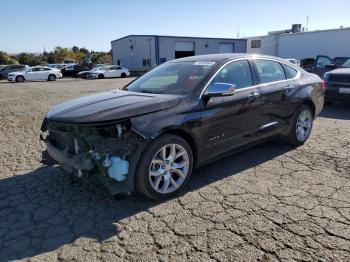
<point x="35" y="73"/>
<point x="108" y="71"/>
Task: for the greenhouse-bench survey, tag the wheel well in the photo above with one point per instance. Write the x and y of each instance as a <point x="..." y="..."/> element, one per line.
<point x="311" y="105"/>
<point x="189" y="139"/>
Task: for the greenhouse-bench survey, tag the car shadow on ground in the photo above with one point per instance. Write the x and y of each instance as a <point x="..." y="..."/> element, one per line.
<point x="337" y="111"/>
<point x="43" y="210"/>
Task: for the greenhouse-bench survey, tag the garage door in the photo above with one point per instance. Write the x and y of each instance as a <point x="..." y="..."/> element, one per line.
<point x="226" y="48"/>
<point x="184" y="46"/>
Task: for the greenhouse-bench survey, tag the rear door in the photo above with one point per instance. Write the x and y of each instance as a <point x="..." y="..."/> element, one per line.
<point x="33" y="74"/>
<point x="276" y="84"/>
<point x="231" y="121"/>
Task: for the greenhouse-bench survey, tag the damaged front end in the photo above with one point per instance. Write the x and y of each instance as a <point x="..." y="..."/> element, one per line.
<point x="106" y="152"/>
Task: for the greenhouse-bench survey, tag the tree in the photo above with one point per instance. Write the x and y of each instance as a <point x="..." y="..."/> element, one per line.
<point x="5" y="59"/>
<point x="84" y="50"/>
<point x="75" y="49"/>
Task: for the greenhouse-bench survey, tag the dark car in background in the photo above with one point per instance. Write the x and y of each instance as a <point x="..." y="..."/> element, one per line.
<point x="182" y="114"/>
<point x="338" y="83"/>
<point x="322" y="64"/>
<point x="73" y="70"/>
<point x="4" y="71"/>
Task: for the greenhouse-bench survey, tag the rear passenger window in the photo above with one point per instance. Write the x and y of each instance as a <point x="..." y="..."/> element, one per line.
<point x="270" y="71"/>
<point x="290" y="72"/>
<point x="237" y="73"/>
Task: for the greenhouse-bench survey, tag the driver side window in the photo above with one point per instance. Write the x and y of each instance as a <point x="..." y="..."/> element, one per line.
<point x="237" y="73"/>
<point x="322" y="62"/>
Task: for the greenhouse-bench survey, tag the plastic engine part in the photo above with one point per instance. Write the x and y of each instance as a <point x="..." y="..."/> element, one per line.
<point x="118" y="169"/>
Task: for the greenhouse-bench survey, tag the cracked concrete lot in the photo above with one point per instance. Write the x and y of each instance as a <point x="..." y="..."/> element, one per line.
<point x="270" y="203"/>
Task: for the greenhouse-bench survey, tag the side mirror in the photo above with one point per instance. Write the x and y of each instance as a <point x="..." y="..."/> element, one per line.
<point x="331" y="66"/>
<point x="220" y="89"/>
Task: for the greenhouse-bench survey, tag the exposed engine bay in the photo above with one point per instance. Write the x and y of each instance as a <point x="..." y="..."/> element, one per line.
<point x="109" y="152"/>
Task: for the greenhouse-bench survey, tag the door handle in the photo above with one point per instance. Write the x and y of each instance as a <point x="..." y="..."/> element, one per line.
<point x="254" y="94"/>
<point x="290" y="87"/>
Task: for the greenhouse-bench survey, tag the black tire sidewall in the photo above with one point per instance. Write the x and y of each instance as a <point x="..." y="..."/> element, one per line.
<point x="53" y="79"/>
<point x="123" y="75"/>
<point x="101" y="76"/>
<point x="142" y="182"/>
<point x="292" y="138"/>
<point x="19" y="79"/>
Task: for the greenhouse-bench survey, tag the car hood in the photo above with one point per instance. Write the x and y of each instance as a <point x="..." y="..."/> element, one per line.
<point x="340" y="71"/>
<point x="110" y="106"/>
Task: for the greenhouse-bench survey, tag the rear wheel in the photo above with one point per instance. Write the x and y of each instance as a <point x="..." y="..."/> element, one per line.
<point x="1" y="77"/>
<point x="101" y="76"/>
<point x="19" y="79"/>
<point x="164" y="167"/>
<point x="301" y="126"/>
<point x="123" y="75"/>
<point x="51" y="78"/>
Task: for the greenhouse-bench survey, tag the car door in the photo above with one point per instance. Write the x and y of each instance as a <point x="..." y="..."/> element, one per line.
<point x="276" y="84"/>
<point x="322" y="65"/>
<point x="231" y="121"/>
<point x="111" y="72"/>
<point x="44" y="73"/>
<point x="33" y="74"/>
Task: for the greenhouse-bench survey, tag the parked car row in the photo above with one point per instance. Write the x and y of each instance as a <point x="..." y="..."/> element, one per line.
<point x="335" y="72"/>
<point x="51" y="72"/>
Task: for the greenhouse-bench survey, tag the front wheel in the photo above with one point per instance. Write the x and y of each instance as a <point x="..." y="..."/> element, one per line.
<point x="164" y="167"/>
<point x="101" y="76"/>
<point x="123" y="75"/>
<point x="301" y="126"/>
<point x="19" y="79"/>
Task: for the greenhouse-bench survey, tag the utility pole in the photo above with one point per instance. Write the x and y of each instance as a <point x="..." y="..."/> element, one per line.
<point x="307" y="24"/>
<point x="238" y="31"/>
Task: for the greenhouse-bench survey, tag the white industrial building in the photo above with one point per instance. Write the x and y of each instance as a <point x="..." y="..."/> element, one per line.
<point x="293" y="43"/>
<point x="140" y="52"/>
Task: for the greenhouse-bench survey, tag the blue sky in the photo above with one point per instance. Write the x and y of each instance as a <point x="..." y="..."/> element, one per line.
<point x="31" y="25"/>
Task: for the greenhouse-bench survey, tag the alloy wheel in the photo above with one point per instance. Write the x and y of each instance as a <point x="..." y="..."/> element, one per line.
<point x="304" y="125"/>
<point x="169" y="168"/>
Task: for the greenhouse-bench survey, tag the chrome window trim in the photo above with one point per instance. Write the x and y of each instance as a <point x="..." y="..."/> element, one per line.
<point x="254" y="86"/>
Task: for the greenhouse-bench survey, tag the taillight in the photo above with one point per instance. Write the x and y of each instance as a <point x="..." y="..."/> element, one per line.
<point x="323" y="85"/>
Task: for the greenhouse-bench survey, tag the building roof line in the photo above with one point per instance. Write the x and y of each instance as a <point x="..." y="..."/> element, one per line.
<point x="172" y="36"/>
<point x="298" y="33"/>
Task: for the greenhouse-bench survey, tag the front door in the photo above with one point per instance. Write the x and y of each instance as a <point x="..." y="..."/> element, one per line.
<point x="231" y="121"/>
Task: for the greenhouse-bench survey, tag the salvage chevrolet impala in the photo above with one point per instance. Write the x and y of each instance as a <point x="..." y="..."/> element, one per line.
<point x="151" y="134"/>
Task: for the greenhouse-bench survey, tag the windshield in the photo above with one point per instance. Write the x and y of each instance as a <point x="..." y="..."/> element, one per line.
<point x="347" y="63"/>
<point x="172" y="78"/>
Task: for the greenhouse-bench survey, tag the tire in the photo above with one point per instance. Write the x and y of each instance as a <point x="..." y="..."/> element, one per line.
<point x="1" y="77"/>
<point x="51" y="78"/>
<point x="19" y="79"/>
<point x="301" y="126"/>
<point x="123" y="75"/>
<point x="101" y="76"/>
<point x="158" y="179"/>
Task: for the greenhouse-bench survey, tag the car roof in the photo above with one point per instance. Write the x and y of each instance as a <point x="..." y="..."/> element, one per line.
<point x="221" y="58"/>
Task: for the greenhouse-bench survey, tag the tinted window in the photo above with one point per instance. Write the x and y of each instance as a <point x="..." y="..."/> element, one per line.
<point x="323" y="61"/>
<point x="237" y="73"/>
<point x="269" y="71"/>
<point x="290" y="72"/>
<point x="36" y="69"/>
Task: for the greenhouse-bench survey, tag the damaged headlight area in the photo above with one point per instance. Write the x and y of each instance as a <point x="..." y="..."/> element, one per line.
<point x="105" y="150"/>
